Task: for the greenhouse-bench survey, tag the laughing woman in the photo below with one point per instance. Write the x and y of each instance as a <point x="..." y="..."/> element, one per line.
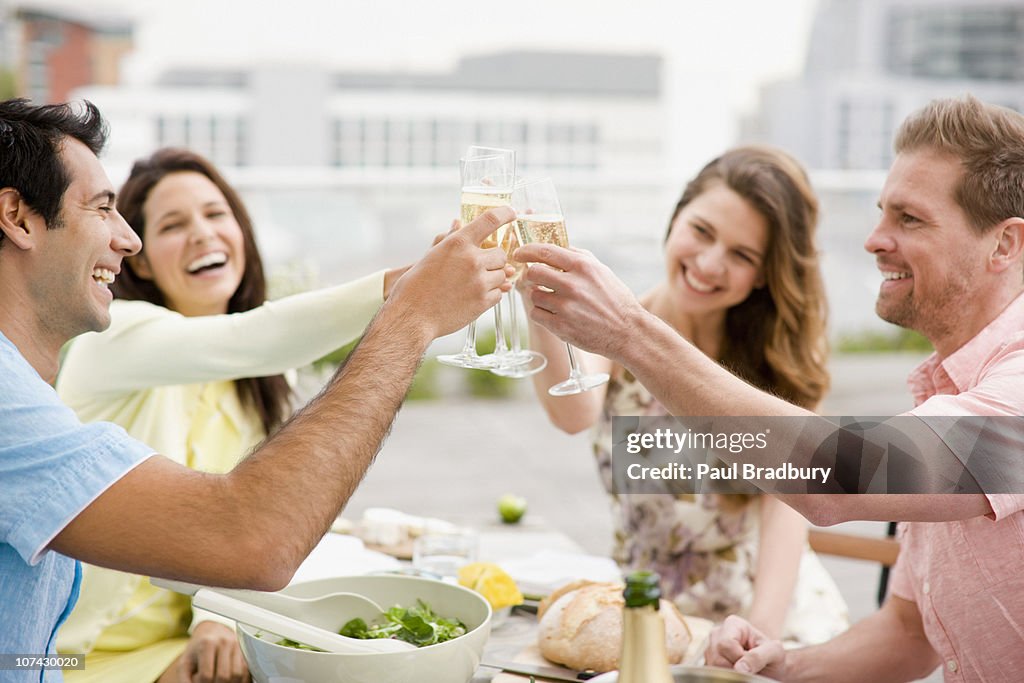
<point x="742" y="283"/>
<point x="193" y="365"/>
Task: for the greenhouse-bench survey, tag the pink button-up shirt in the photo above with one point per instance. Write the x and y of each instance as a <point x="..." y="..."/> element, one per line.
<point x="967" y="577"/>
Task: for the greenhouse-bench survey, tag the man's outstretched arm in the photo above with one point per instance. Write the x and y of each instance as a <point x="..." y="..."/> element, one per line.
<point x="254" y="526"/>
<point x="579" y="299"/>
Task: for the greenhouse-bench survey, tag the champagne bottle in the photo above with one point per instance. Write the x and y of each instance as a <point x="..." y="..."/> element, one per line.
<point x="644" y="658"/>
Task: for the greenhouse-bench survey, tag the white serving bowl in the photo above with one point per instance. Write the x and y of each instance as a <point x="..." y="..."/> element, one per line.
<point x="450" y="662"/>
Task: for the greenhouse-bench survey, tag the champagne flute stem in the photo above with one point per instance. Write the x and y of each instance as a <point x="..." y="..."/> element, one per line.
<point x="574" y="366"/>
<point x="513" y="321"/>
<point x="500" y="345"/>
<point x="469" y="348"/>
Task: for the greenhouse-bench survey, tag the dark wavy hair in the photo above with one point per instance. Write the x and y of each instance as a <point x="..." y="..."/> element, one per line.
<point x="31" y="137"/>
<point x="269" y="396"/>
<point x="775" y="339"/>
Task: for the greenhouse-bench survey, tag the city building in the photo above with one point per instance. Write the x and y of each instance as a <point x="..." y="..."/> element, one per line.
<point x="46" y="53"/>
<point x="872" y="62"/>
<point x="361" y="168"/>
<point x="869" y="64"/>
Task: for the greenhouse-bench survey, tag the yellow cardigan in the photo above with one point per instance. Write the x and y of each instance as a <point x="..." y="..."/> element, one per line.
<point x="148" y="369"/>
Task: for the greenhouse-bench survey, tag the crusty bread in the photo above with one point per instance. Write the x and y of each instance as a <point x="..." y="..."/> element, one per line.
<point x="581" y="627"/>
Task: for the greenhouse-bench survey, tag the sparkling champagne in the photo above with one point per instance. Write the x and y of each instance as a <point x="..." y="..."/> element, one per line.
<point x="476" y="200"/>
<point x="547" y="228"/>
<point x="510" y="243"/>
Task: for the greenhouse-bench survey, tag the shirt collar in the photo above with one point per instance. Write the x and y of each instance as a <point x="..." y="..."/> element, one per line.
<point x="961" y="366"/>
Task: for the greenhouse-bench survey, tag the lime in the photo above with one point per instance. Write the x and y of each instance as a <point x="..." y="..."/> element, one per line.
<point x="511" y="508"/>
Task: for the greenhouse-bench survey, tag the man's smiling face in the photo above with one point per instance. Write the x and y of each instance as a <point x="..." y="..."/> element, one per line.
<point x="929" y="255"/>
<point x="80" y="256"/>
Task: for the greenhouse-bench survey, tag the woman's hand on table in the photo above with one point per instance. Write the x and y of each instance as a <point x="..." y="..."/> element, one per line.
<point x="736" y="644"/>
<point x="211" y="656"/>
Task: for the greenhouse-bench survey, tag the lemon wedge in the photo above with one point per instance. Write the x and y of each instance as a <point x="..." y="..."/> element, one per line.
<point x="492" y="582"/>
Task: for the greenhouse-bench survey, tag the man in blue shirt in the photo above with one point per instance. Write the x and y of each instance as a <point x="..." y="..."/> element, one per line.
<point x="64" y="485"/>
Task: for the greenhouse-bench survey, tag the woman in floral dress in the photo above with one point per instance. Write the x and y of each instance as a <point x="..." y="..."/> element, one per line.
<point x="742" y="282"/>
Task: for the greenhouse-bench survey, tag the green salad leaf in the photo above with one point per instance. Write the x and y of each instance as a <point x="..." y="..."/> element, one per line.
<point x="287" y="642"/>
<point x="418" y="625"/>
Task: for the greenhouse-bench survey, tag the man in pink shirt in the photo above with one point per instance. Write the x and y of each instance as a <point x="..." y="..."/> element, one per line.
<point x="950" y="247"/>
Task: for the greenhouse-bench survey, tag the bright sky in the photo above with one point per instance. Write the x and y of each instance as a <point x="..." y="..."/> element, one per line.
<point x="717" y="51"/>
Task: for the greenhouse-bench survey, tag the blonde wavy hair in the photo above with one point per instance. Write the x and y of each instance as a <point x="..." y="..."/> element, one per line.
<point x="776" y="338"/>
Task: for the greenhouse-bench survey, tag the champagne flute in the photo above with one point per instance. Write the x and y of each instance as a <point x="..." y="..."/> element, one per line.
<point x="486" y="183"/>
<point x="500" y="358"/>
<point x="521" y="362"/>
<point x="539" y="219"/>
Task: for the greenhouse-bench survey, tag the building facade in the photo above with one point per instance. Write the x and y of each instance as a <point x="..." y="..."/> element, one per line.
<point x="360" y="167"/>
<point x="872" y="62"/>
<point x="869" y="64"/>
<point x="48" y="53"/>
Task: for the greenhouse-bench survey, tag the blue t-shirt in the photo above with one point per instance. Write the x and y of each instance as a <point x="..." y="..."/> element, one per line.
<point x="51" y="467"/>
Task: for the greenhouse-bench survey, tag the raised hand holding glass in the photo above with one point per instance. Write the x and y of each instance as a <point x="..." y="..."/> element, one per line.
<point x="539" y="219"/>
<point x="486" y="183"/>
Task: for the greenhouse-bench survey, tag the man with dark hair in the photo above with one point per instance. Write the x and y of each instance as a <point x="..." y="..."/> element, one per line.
<point x="950" y="248"/>
<point x="28" y="136"/>
<point x="64" y="485"/>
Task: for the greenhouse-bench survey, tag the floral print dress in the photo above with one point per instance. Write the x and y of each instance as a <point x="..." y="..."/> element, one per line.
<point x="704" y="546"/>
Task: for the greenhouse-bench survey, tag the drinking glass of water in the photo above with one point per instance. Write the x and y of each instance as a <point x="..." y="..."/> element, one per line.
<point x="443" y="553"/>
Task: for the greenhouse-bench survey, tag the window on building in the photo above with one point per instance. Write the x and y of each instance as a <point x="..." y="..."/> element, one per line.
<point x="398" y="145"/>
<point x="559" y="145"/>
<point x="843" y="134"/>
<point x="348" y="142"/>
<point x="864" y="130"/>
<point x="451" y="140"/>
<point x="421" y="144"/>
<point x="375" y="137"/>
<point x="513" y="134"/>
<point x="241" y="142"/>
<point x="956" y="42"/>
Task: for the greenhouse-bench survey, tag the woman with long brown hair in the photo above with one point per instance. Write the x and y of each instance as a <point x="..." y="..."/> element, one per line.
<point x="742" y="282"/>
<point x="193" y="364"/>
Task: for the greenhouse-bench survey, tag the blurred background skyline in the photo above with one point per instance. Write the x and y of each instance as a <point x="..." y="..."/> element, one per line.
<point x="723" y="49"/>
<point x="342" y="123"/>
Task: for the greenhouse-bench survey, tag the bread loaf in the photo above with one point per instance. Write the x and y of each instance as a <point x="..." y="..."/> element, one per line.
<point x="581" y="627"/>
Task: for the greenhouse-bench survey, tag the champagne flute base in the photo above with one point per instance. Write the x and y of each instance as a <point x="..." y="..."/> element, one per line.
<point x="524" y="364"/>
<point x="577" y="385"/>
<point x="467" y="361"/>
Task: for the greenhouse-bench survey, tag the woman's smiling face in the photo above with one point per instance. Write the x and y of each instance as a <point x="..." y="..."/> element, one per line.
<point x="715" y="251"/>
<point x="193" y="247"/>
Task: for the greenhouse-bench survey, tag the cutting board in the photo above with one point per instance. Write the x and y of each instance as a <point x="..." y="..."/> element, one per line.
<point x="700" y="629"/>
